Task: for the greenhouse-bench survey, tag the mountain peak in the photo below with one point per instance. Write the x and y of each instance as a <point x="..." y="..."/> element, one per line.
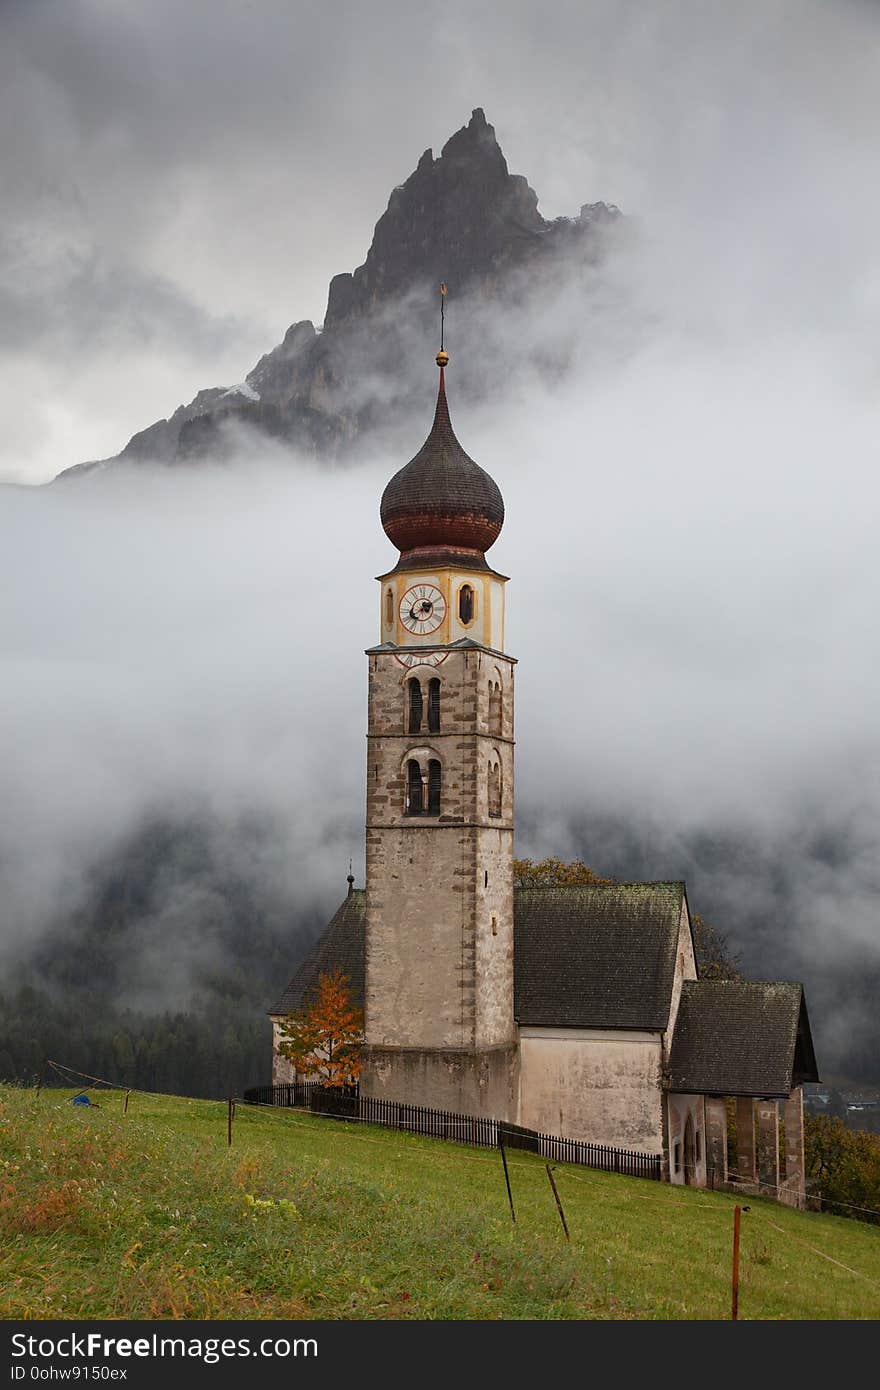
<point x="455" y="217"/>
<point x="461" y="217"/>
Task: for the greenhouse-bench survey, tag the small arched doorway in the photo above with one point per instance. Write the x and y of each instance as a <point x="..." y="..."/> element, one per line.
<point x="690" y="1153"/>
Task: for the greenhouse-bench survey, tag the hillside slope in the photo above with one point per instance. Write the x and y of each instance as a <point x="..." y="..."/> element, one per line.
<point x="151" y="1215"/>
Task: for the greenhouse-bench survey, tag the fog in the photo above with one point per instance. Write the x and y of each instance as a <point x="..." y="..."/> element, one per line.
<point x="691" y="506"/>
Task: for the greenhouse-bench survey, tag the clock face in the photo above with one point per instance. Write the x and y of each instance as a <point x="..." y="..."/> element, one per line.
<point x="420" y="659"/>
<point x="422" y="609"/>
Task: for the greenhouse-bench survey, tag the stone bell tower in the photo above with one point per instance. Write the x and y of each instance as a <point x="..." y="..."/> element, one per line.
<point x="439" y="1018"/>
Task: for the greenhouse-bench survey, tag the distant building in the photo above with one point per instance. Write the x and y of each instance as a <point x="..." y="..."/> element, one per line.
<point x="576" y="1011"/>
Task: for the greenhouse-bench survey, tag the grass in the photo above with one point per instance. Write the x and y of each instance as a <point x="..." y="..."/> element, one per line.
<point x="150" y="1215"/>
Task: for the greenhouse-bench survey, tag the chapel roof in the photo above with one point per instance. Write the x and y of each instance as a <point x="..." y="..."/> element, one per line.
<point x="340" y="946"/>
<point x="596" y="955"/>
<point x="585" y="955"/>
<point x="741" y="1037"/>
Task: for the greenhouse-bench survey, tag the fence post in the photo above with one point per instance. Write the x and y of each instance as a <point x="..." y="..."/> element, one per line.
<point x="125" y="1106"/>
<point x="506" y="1174"/>
<point x="558" y="1203"/>
<point x="734" y="1307"/>
<point x="230" y="1113"/>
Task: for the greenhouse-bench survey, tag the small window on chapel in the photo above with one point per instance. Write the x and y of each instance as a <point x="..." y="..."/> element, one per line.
<point x="466" y="604"/>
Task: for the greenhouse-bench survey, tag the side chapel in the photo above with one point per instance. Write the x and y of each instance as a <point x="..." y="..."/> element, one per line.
<point x="576" y="1011"/>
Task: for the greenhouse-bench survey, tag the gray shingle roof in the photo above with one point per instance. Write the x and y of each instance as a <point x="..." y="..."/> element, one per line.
<point x="596" y="955"/>
<point x="589" y="955"/>
<point x="342" y="945"/>
<point x="741" y="1037"/>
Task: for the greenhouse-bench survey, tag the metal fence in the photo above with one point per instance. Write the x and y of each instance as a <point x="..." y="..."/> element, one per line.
<point x="348" y="1104"/>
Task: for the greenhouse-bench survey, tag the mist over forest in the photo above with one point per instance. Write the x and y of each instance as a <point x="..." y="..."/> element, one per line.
<point x="682" y="413"/>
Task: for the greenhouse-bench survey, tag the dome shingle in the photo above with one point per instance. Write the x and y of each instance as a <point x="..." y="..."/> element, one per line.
<point x="442" y="506"/>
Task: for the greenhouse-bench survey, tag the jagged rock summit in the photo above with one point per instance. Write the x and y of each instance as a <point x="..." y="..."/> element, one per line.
<point x="462" y="218"/>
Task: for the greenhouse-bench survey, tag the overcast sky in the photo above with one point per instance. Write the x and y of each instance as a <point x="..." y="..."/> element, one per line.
<point x="180" y="180"/>
<point x="691" y="520"/>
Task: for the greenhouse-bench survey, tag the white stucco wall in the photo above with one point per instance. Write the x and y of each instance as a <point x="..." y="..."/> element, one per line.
<point x="602" y="1086"/>
<point x="283" y="1073"/>
<point x="685" y="969"/>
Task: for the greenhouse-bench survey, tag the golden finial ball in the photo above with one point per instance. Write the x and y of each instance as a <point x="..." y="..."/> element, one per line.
<point x="442" y="358"/>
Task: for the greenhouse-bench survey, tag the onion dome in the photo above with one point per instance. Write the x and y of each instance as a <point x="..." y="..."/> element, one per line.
<point x="442" y="508"/>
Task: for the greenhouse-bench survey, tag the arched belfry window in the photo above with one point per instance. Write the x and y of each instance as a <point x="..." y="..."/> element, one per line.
<point x="466" y="604"/>
<point x="494" y="789"/>
<point x="434" y="705"/>
<point x="496" y="711"/>
<point x="414" y="690"/>
<point x="414" y="797"/>
<point x="389" y="607"/>
<point x="423" y="786"/>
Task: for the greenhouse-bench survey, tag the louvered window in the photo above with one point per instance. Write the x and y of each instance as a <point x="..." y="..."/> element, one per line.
<point x="415" y="705"/>
<point x="434" y="787"/>
<point x="414" y="799"/>
<point x="434" y="706"/>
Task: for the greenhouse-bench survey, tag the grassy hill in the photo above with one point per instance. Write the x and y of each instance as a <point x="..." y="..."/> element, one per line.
<point x="151" y="1215"/>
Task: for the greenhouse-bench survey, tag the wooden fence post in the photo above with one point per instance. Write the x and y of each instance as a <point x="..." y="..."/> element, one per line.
<point x="506" y="1174"/>
<point x="230" y="1114"/>
<point x="558" y="1203"/>
<point x="734" y="1307"/>
<point x="125" y="1106"/>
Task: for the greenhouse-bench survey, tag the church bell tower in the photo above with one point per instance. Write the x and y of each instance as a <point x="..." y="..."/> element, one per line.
<point x="439" y="1018"/>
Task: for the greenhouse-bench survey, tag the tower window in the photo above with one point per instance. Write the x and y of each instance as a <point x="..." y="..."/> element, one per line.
<point x="415" y="705"/>
<point x="433" y="706"/>
<point x="494" y="787"/>
<point x="434" y="787"/>
<point x="466" y="604"/>
<point x="496" y="712"/>
<point x="414" y="798"/>
<point x="389" y="607"/>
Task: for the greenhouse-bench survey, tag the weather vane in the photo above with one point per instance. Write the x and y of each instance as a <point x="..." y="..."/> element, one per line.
<point x="442" y="355"/>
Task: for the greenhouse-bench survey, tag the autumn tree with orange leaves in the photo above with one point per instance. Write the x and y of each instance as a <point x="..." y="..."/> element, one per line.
<point x="324" y="1039"/>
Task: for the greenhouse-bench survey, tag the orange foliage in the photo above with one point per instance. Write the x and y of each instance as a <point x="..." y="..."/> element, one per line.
<point x="324" y="1039"/>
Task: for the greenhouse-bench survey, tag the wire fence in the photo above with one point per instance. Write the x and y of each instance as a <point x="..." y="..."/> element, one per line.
<point x="457" y="1128"/>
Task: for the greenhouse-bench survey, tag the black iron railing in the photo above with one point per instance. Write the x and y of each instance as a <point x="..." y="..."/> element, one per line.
<point x="479" y="1130"/>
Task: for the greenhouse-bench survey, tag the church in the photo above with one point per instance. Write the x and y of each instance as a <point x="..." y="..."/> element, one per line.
<point x="575" y="1011"/>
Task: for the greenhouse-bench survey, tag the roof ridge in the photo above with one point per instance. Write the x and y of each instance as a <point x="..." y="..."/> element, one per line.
<point x="622" y="883"/>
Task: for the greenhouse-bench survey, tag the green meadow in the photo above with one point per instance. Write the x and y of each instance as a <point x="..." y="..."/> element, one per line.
<point x="151" y="1214"/>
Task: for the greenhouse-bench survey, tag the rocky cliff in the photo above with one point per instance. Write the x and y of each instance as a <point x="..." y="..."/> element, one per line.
<point x="462" y="218"/>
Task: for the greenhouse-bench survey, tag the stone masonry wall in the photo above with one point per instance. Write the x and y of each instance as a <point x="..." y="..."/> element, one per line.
<point x="439" y="932"/>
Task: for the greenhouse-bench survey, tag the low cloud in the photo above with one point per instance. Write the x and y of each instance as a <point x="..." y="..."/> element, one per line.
<point x="686" y="440"/>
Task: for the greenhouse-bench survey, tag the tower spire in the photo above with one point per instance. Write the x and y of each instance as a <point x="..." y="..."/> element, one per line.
<point x="442" y="356"/>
